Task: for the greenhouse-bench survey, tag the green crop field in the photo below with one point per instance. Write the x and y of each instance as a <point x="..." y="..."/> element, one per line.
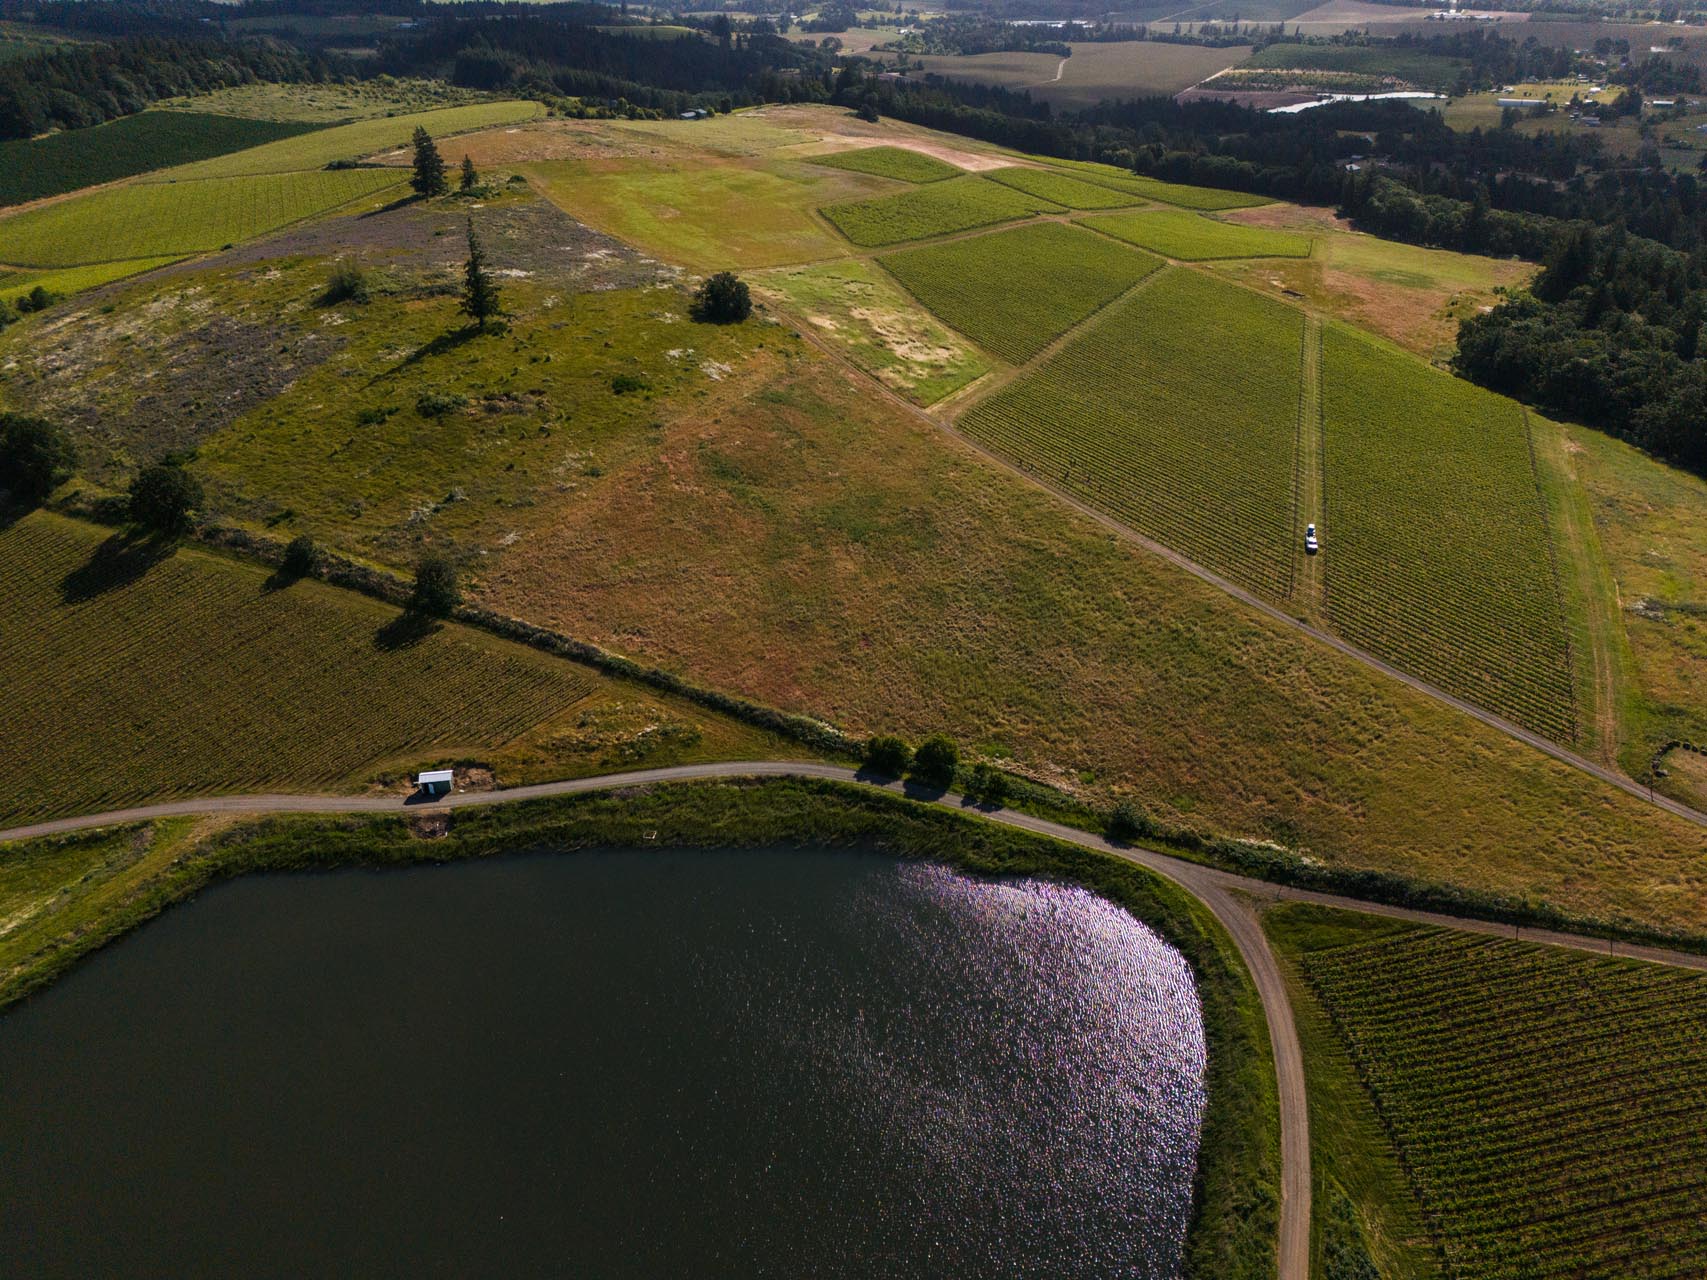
<point x="890" y="162"/>
<point x="1210" y="199"/>
<point x="1194" y="238"/>
<point x="65" y="281"/>
<point x="960" y="204"/>
<point x="1436" y="553"/>
<point x="1545" y="1105"/>
<point x="190" y="674"/>
<point x="1061" y="188"/>
<point x="329" y="103"/>
<point x="151" y="220"/>
<point x="1176" y="412"/>
<point x="353" y="141"/>
<point x="77" y="158"/>
<point x="1013" y="291"/>
<point x="1427" y="71"/>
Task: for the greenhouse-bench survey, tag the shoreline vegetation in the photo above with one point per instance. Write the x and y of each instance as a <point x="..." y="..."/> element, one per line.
<point x="1235" y="1203"/>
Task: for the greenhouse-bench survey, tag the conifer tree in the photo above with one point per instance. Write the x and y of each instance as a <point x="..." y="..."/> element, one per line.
<point x="429" y="179"/>
<point x="470" y="179"/>
<point x="479" y="293"/>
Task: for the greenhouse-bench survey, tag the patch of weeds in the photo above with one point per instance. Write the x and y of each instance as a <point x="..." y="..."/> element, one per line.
<point x="373" y="417"/>
<point x="435" y="404"/>
<point x="627" y="383"/>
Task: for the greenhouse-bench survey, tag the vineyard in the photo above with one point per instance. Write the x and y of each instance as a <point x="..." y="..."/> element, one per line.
<point x="1436" y="553"/>
<point x="189" y="674"/>
<point x="1176" y="412"/>
<point x="1208" y="198"/>
<point x="1547" y="1106"/>
<point x="1191" y="237"/>
<point x="1014" y="291"/>
<point x="151" y="220"/>
<point x="890" y="162"/>
<point x="1062" y="189"/>
<point x="75" y="158"/>
<point x="960" y="204"/>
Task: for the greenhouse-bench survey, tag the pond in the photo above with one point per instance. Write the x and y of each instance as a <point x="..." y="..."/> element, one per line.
<point x="611" y="1064"/>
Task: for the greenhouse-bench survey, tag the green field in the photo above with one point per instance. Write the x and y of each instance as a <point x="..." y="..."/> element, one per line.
<point x="1061" y="188"/>
<point x="130" y="145"/>
<point x="1426" y="71"/>
<point x="960" y="204"/>
<point x="354" y="141"/>
<point x="1014" y="291"/>
<point x="859" y="310"/>
<point x="1191" y="237"/>
<point x="65" y="281"/>
<point x="1546" y="1105"/>
<point x="1098" y="70"/>
<point x="329" y="103"/>
<point x="1436" y="552"/>
<point x="190" y="674"/>
<point x="889" y="162"/>
<point x="1209" y="199"/>
<point x="153" y="220"/>
<point x="1175" y="412"/>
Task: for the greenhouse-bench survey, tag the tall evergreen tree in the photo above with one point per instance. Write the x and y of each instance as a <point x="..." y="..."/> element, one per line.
<point x="429" y="179"/>
<point x="470" y="179"/>
<point x="479" y="293"/>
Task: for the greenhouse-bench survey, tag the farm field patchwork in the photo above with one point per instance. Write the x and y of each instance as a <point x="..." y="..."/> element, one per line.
<point x="1062" y="188"/>
<point x="1191" y="237"/>
<point x="1098" y="70"/>
<point x="1209" y="199"/>
<point x="1425" y="71"/>
<point x="960" y="204"/>
<point x="152" y="220"/>
<point x="889" y="162"/>
<point x="854" y="306"/>
<point x="1014" y="291"/>
<point x="1176" y="411"/>
<point x="354" y="141"/>
<point x="1436" y="551"/>
<point x="76" y="158"/>
<point x="1545" y="1103"/>
<point x="326" y="104"/>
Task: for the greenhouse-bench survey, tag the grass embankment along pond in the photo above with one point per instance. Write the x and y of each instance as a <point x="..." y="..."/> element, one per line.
<point x="73" y="894"/>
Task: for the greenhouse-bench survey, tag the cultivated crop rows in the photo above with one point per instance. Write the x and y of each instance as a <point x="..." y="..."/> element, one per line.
<point x="1176" y="412"/>
<point x="960" y="204"/>
<point x="187" y="674"/>
<point x="890" y="162"/>
<point x="1191" y="237"/>
<point x="1106" y="175"/>
<point x="150" y="220"/>
<point x="1014" y="291"/>
<point x="1062" y="189"/>
<point x="1436" y="550"/>
<point x="1547" y="1106"/>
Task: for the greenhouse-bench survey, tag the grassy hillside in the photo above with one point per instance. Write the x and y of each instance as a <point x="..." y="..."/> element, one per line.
<point x="135" y="144"/>
<point x="1545" y="1104"/>
<point x="149" y="220"/>
<point x="1436" y="549"/>
<point x="1014" y="291"/>
<point x="1125" y="417"/>
<point x="889" y="162"/>
<point x="188" y="673"/>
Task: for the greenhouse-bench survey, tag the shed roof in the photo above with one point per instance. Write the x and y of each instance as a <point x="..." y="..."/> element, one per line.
<point x="435" y="775"/>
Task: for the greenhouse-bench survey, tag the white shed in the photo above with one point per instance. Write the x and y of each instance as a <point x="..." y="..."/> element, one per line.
<point x="435" y="782"/>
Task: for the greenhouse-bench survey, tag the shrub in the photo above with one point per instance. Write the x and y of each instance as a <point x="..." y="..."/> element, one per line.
<point x="436" y="593"/>
<point x="936" y="760"/>
<point x="1125" y="822"/>
<point x="36" y="456"/>
<point x="435" y="404"/>
<point x="723" y="299"/>
<point x="299" y="556"/>
<point x="624" y="383"/>
<point x="888" y="755"/>
<point x="347" y="283"/>
<point x="165" y="498"/>
<point x="988" y="785"/>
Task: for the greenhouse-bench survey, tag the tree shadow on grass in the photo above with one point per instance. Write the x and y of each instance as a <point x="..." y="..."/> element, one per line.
<point x="119" y="561"/>
<point x="405" y="631"/>
<point x="446" y="342"/>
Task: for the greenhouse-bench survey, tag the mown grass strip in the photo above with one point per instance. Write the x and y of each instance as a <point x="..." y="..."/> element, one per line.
<point x="1060" y="188"/>
<point x="1436" y="552"/>
<point x="1014" y="291"/>
<point x="1545" y="1104"/>
<point x="890" y="162"/>
<point x="152" y="220"/>
<point x="1190" y="237"/>
<point x="37" y="167"/>
<point x="959" y="204"/>
<point x="1175" y="411"/>
<point x="136" y="675"/>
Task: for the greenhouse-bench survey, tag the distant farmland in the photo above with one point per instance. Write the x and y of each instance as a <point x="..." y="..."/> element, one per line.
<point x="1097" y="70"/>
<point x="190" y="674"/>
<point x="1436" y="552"/>
<point x="1014" y="291"/>
<point x="1175" y="411"/>
<point x="1546" y="1105"/>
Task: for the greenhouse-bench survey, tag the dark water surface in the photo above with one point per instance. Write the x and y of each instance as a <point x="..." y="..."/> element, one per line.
<point x="784" y="1063"/>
